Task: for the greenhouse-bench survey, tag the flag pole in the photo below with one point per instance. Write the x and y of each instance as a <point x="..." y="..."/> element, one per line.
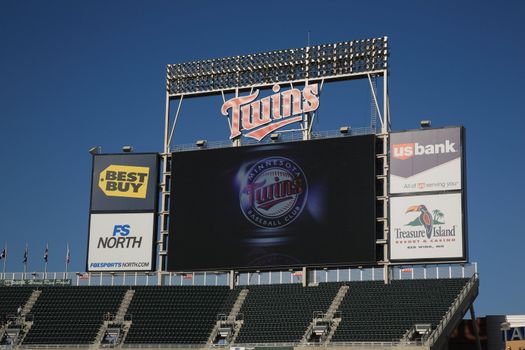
<point x="26" y="252"/>
<point x="45" y="259"/>
<point x="5" y="260"/>
<point x="67" y="258"/>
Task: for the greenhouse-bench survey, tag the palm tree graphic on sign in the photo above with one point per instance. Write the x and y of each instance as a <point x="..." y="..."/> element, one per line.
<point x="426" y="219"/>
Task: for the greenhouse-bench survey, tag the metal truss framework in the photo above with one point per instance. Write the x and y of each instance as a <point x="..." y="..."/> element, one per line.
<point x="329" y="61"/>
<point x="359" y="59"/>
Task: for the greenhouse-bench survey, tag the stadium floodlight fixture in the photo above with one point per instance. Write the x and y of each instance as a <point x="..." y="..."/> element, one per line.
<point x="201" y="143"/>
<point x="349" y="59"/>
<point x="345" y="130"/>
<point x="95" y="150"/>
<point x="274" y="136"/>
<point x="127" y="149"/>
<point x="425" y="123"/>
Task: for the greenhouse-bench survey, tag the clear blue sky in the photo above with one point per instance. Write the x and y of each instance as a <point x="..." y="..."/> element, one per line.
<point x="75" y="74"/>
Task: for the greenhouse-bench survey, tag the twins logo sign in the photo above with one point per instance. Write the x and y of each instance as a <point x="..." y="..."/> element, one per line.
<point x="273" y="193"/>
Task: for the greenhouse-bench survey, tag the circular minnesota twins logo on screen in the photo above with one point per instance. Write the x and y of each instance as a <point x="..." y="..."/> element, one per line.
<point x="273" y="192"/>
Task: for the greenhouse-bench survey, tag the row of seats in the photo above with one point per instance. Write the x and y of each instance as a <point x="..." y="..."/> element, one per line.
<point x="177" y="315"/>
<point x="370" y="311"/>
<point x="373" y="311"/>
<point x="11" y="298"/>
<point x="282" y="313"/>
<point x="72" y="315"/>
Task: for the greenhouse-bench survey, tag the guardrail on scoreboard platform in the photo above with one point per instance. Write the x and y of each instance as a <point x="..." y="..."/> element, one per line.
<point x="222" y="278"/>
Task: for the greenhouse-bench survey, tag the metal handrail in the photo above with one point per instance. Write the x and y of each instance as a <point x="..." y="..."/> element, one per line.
<point x="294" y="344"/>
<point x="343" y="274"/>
<point x="452" y="310"/>
<point x="370" y="344"/>
<point x="285" y="136"/>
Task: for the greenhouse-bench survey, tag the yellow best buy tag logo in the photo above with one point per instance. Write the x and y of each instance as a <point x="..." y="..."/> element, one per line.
<point x="124" y="181"/>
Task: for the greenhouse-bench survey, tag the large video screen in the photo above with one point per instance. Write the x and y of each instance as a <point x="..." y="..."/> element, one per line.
<point x="306" y="203"/>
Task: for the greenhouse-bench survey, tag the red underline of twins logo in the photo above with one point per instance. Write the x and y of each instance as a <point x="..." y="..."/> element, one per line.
<point x="269" y="113"/>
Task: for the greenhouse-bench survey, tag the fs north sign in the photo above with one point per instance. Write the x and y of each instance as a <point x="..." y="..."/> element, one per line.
<point x="124" y="182"/>
<point x="121" y="242"/>
<point x="426" y="160"/>
<point x="260" y="117"/>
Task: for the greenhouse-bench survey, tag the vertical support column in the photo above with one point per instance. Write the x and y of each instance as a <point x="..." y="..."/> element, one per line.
<point x="237" y="141"/>
<point x="306" y="122"/>
<point x="231" y="277"/>
<point x="304" y="277"/>
<point x="385" y="128"/>
<point x="164" y="189"/>
<point x="475" y="327"/>
<point x="384" y="199"/>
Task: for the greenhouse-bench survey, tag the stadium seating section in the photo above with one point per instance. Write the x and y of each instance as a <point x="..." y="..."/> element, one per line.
<point x="72" y="315"/>
<point x="281" y="313"/>
<point x="373" y="311"/>
<point x="11" y="299"/>
<point x="176" y="315"/>
<point x="370" y="311"/>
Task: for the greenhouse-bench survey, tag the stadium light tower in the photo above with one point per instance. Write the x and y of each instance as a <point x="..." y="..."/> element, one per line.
<point x="313" y="64"/>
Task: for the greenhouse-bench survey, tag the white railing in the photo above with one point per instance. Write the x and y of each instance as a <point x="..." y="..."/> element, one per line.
<point x="285" y="136"/>
<point x="452" y="310"/>
<point x="222" y="278"/>
<point x="57" y="346"/>
<point x="370" y="344"/>
<point x="245" y="345"/>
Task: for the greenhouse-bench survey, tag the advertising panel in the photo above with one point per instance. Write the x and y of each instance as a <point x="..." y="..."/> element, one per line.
<point x="121" y="242"/>
<point x="514" y="333"/>
<point x="427" y="227"/>
<point x="426" y="160"/>
<point x="515" y="345"/>
<point x="283" y="204"/>
<point x="124" y="182"/>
